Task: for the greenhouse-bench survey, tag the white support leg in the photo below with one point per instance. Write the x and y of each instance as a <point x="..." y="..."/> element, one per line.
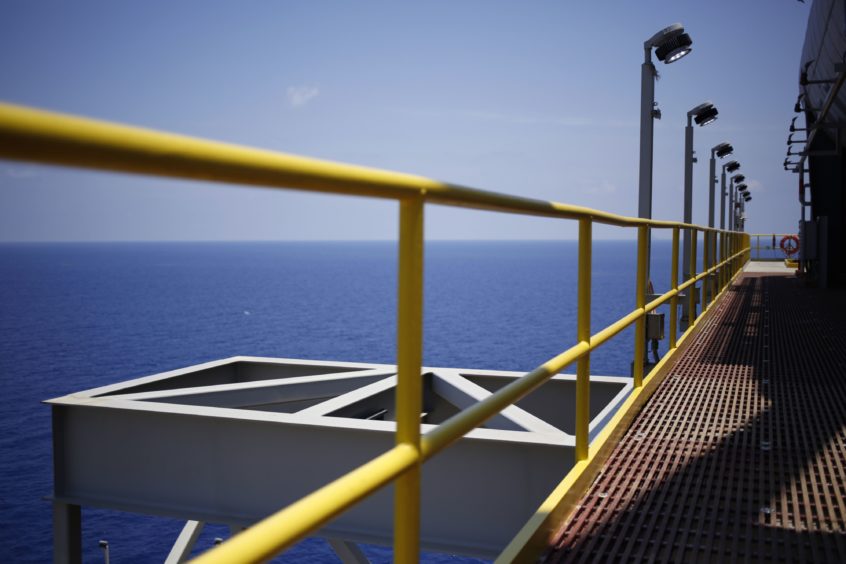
<point x="185" y="542"/>
<point x="348" y="551"/>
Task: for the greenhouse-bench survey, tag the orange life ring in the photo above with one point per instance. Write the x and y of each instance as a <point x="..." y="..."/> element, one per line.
<point x="789" y="244"/>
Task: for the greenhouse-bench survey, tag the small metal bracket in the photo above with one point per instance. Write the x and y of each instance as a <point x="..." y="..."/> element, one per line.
<point x="655" y="326"/>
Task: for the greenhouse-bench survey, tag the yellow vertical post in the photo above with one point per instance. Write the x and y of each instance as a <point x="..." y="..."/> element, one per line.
<point x="712" y="278"/>
<point x="724" y="267"/>
<point x="691" y="291"/>
<point x="583" y="335"/>
<point x="731" y="253"/>
<point x="733" y="247"/>
<point x="409" y="393"/>
<point x="758" y="245"/>
<point x="706" y="260"/>
<point x="736" y="248"/>
<point x="674" y="284"/>
<point x="640" y="301"/>
<point x="748" y="240"/>
<point x="715" y="245"/>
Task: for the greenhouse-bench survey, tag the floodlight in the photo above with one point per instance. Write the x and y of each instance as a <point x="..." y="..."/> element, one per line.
<point x="671" y="43"/>
<point x="723" y="149"/>
<point x="738" y="178"/>
<point x="704" y="113"/>
<point x="743" y="187"/>
<point x="732" y="166"/>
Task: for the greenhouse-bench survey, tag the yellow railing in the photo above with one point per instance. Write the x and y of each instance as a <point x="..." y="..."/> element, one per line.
<point x="45" y="137"/>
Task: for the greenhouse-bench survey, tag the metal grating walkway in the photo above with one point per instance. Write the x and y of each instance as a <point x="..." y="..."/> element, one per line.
<point x="741" y="453"/>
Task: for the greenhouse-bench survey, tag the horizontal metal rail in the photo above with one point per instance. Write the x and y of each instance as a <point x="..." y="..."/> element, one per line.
<point x="51" y="138"/>
<point x="314" y="510"/>
<point x="770" y="234"/>
<point x="54" y="138"/>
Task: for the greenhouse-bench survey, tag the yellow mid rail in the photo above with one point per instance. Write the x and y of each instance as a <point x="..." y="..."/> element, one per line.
<point x="52" y="138"/>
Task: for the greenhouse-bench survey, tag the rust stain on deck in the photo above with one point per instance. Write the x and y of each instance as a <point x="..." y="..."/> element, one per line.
<point x="741" y="452"/>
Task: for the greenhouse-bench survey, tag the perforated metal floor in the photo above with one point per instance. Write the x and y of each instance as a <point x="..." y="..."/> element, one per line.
<point x="741" y="453"/>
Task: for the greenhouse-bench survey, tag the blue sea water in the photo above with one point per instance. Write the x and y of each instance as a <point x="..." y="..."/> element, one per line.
<point x="76" y="316"/>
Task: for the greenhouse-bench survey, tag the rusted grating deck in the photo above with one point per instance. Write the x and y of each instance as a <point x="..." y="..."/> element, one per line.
<point x="741" y="453"/>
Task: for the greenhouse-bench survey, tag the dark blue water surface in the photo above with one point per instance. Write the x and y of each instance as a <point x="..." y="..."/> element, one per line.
<point x="76" y="316"/>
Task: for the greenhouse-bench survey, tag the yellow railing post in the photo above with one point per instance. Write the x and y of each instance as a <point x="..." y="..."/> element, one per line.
<point x="723" y="254"/>
<point x="409" y="393"/>
<point x="712" y="262"/>
<point x="640" y="301"/>
<point x="691" y="293"/>
<point x="674" y="284"/>
<point x="712" y="279"/>
<point x="736" y="248"/>
<point x="583" y="336"/>
<point x="748" y="240"/>
<point x="706" y="264"/>
<point x="732" y="250"/>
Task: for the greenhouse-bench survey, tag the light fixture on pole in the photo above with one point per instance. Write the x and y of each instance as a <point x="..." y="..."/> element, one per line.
<point x="702" y="115"/>
<point x="736" y="179"/>
<point x="729" y="167"/>
<point x="720" y="150"/>
<point x="746" y="198"/>
<point x="670" y="44"/>
<point x="742" y="192"/>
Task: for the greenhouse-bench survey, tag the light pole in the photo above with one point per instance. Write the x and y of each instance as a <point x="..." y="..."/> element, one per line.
<point x="702" y="115"/>
<point x="670" y="44"/>
<point x="735" y="180"/>
<point x="746" y="198"/>
<point x="720" y="151"/>
<point x="742" y="195"/>
<point x="729" y="167"/>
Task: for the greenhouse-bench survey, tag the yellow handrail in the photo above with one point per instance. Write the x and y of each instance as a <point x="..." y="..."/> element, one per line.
<point x="46" y="137"/>
<point x="53" y="138"/>
<point x="261" y="541"/>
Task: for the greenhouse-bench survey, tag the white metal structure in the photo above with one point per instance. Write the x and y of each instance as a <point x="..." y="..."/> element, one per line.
<point x="233" y="440"/>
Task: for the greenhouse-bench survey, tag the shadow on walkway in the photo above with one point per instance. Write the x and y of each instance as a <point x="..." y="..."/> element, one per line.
<point x="741" y="453"/>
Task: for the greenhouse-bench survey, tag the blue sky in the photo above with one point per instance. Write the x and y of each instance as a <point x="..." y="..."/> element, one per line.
<point x="533" y="98"/>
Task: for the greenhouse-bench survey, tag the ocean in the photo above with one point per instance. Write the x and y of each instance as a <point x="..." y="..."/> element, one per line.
<point x="78" y="315"/>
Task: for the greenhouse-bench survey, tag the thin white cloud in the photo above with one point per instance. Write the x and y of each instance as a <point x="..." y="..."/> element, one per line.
<point x="755" y="186"/>
<point x="299" y="96"/>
